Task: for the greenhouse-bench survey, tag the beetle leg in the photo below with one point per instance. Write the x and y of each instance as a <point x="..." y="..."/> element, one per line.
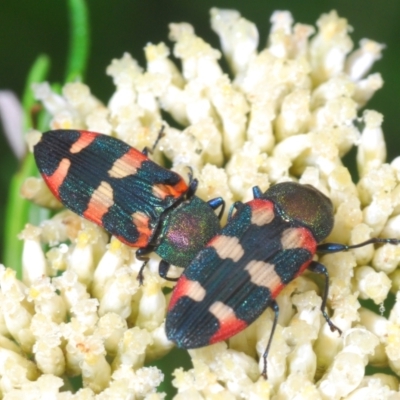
<point x="215" y="203"/>
<point x="163" y="269"/>
<point x="318" y="268"/>
<point x="159" y="136"/>
<point x="235" y="206"/>
<point x="257" y="193"/>
<point x="275" y="308"/>
<point x="193" y="183"/>
<point x="142" y="255"/>
<point x="328" y="248"/>
<point x="146" y="150"/>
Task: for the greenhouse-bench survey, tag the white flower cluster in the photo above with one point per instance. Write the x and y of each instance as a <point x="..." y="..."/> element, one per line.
<point x="289" y="113"/>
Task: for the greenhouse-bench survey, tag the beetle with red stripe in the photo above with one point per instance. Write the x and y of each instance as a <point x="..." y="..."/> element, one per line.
<point x="144" y="205"/>
<point x="266" y="244"/>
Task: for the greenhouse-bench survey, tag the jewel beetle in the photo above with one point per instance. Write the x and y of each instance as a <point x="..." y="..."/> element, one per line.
<point x="144" y="205"/>
<point x="267" y="243"/>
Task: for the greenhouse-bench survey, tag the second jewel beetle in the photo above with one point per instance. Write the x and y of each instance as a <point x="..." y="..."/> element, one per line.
<point x="267" y="243"/>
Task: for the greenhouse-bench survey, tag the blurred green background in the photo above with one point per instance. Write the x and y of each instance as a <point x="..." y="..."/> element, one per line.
<point x="29" y="28"/>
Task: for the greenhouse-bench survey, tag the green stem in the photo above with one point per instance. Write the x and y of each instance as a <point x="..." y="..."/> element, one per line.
<point x="37" y="74"/>
<point x="20" y="211"/>
<point x="79" y="40"/>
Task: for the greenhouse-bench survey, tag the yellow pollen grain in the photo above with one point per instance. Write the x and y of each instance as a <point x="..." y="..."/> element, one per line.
<point x="82" y="239"/>
<point x="33" y="293"/>
<point x="152" y="288"/>
<point x="115" y="245"/>
<point x="92" y="359"/>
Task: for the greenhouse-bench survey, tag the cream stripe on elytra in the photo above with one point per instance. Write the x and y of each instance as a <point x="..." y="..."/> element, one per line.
<point x="104" y="195"/>
<point x="263" y="274"/>
<point x="122" y="168"/>
<point x="292" y="238"/>
<point x="100" y="202"/>
<point x="83" y="142"/>
<point x="228" y="247"/>
<point x="262" y="215"/>
<point x="57" y="179"/>
<point x="221" y="311"/>
<point x="195" y="291"/>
